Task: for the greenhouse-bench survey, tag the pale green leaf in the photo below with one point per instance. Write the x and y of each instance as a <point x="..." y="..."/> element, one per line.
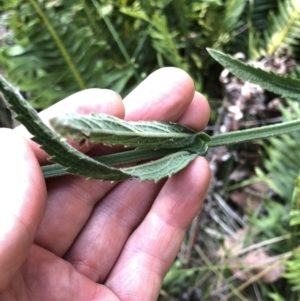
<point x="114" y="131"/>
<point x="15" y="50"/>
<point x="137" y="14"/>
<point x="161" y="168"/>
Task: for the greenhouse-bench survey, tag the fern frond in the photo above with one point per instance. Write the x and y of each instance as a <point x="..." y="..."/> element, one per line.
<point x="283" y="29"/>
<point x="66" y="55"/>
<point x="253" y="23"/>
<point x="163" y="41"/>
<point x="293" y="270"/>
<point x="54" y="53"/>
<point x="283" y="158"/>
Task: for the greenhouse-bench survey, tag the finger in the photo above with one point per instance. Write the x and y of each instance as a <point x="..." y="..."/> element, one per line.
<point x="152" y="248"/>
<point x="71" y="199"/>
<point x="23" y="197"/>
<point x="84" y="102"/>
<point x="197" y="114"/>
<point x="164" y="95"/>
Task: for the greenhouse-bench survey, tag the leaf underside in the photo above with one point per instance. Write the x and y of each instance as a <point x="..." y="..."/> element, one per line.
<point x="161" y="168"/>
<point x="114" y="131"/>
<point x="150" y="136"/>
<point x="77" y="163"/>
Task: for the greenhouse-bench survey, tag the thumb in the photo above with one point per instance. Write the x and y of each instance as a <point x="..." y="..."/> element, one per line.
<point x="22" y="202"/>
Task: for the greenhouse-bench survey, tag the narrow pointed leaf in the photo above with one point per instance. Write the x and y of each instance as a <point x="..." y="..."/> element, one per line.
<point x="111" y="130"/>
<point x="282" y="85"/>
<point x="60" y="152"/>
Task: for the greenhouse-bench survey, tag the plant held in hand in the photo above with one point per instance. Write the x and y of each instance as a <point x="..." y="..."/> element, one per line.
<point x="169" y="146"/>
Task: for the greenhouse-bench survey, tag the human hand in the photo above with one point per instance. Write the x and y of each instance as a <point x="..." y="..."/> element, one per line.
<point x="77" y="239"/>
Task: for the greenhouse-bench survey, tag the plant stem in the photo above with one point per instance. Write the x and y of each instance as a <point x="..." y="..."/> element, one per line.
<point x="55" y="170"/>
<point x="135" y="155"/>
<point x="254" y="133"/>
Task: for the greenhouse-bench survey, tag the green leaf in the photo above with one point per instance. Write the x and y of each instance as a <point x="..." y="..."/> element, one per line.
<point x="15" y="50"/>
<point x="283" y="85"/>
<point x="137" y="14"/>
<point x="112" y="130"/>
<point x="77" y="163"/>
<point x="161" y="168"/>
<point x="60" y="152"/>
<point x="135" y="155"/>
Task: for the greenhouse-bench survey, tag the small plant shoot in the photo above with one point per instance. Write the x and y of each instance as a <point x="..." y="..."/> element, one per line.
<point x="167" y="147"/>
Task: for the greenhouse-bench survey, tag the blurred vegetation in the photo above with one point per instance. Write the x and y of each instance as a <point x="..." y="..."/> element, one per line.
<point x="51" y="49"/>
<point x="55" y="48"/>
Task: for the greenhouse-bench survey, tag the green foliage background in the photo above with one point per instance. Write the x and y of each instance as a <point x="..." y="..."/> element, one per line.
<point x="59" y="47"/>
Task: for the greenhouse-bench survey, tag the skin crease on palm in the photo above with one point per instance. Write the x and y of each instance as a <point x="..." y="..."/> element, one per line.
<point x="75" y="239"/>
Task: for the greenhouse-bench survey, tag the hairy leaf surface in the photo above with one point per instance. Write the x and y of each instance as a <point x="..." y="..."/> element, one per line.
<point x="161" y="168"/>
<point x="111" y="130"/>
<point x="77" y="163"/>
<point x="282" y="85"/>
<point x="60" y="152"/>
